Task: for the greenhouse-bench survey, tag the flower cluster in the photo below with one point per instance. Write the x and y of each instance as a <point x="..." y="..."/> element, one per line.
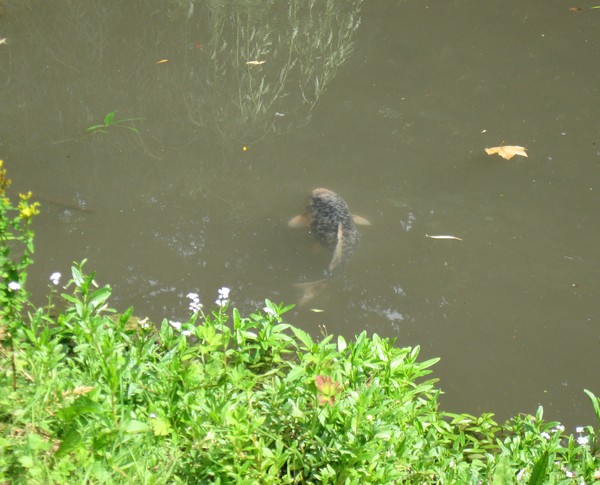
<point x="223" y="298"/>
<point x="177" y="326"/>
<point x="14" y="286"/>
<point x="269" y="311"/>
<point x="4" y="181"/>
<point x="195" y="306"/>
<point x="55" y="278"/>
<point x="582" y="440"/>
<point x="26" y="209"/>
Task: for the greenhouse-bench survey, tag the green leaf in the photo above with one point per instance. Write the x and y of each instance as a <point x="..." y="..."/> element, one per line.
<point x="161" y="427"/>
<point x="77" y="276"/>
<point x="83" y="405"/>
<point x="36" y="442"/>
<point x="95" y="127"/>
<point x="26" y="461"/>
<point x="298" y="372"/>
<point x="286" y="308"/>
<point x="237" y="320"/>
<point x="134" y="427"/>
<point x="429" y="363"/>
<point x="304" y="337"/>
<point x="503" y="474"/>
<point x="69" y="443"/>
<point x="595" y="403"/>
<point x="99" y="297"/>
<point x="69" y="298"/>
<point x="271" y="306"/>
<point x="109" y="118"/>
<point x="539" y="470"/>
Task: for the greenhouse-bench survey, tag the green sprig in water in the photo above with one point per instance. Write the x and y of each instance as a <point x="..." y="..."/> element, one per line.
<point x="109" y="120"/>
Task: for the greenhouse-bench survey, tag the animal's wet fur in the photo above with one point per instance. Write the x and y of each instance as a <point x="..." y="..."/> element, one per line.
<point x="334" y="227"/>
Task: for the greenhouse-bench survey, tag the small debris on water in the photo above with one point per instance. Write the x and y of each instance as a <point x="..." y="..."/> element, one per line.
<point x="444" y="237"/>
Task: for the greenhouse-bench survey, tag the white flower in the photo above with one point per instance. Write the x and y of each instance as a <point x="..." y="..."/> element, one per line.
<point x="270" y="311"/>
<point x="583" y="440"/>
<point x="560" y="428"/>
<point x="545" y="435"/>
<point x="195" y="306"/>
<point x="175" y="325"/>
<point x="223" y="296"/>
<point x="579" y="429"/>
<point x="55" y="278"/>
<point x="152" y="416"/>
<point x="186" y="333"/>
<point x="14" y="286"/>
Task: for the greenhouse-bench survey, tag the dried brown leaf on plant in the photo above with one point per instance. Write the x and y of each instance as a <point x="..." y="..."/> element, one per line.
<point x="507" y="151"/>
<point x="328" y="389"/>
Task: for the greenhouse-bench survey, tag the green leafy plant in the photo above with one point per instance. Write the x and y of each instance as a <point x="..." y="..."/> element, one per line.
<point x="16" y="254"/>
<point x="110" y="121"/>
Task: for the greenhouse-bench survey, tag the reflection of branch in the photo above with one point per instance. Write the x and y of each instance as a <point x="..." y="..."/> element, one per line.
<point x="266" y="58"/>
<point x="100" y="60"/>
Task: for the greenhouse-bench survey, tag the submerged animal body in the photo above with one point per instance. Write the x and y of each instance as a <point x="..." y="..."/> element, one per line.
<point x="334" y="227"/>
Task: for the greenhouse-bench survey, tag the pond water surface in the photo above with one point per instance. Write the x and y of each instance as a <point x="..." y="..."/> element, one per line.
<point x="229" y="113"/>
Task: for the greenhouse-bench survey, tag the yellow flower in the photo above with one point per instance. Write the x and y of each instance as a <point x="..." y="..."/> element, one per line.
<point x="27" y="211"/>
<point x="4" y="182"/>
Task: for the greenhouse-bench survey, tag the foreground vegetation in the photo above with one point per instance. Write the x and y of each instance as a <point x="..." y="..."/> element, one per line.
<point x="91" y="396"/>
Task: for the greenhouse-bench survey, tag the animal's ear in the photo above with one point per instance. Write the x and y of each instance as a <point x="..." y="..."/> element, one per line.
<point x="298" y="221"/>
<point x="360" y="220"/>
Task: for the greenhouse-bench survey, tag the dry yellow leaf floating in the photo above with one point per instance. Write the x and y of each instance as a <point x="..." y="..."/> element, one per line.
<point x="507" y="151"/>
<point x="255" y="63"/>
<point x="162" y="61"/>
<point x="316" y="310"/>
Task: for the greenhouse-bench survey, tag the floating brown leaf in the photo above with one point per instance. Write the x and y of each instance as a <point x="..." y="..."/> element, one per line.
<point x="507" y="151"/>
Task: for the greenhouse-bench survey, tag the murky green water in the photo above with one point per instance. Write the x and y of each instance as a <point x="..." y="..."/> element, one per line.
<point x="229" y="148"/>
